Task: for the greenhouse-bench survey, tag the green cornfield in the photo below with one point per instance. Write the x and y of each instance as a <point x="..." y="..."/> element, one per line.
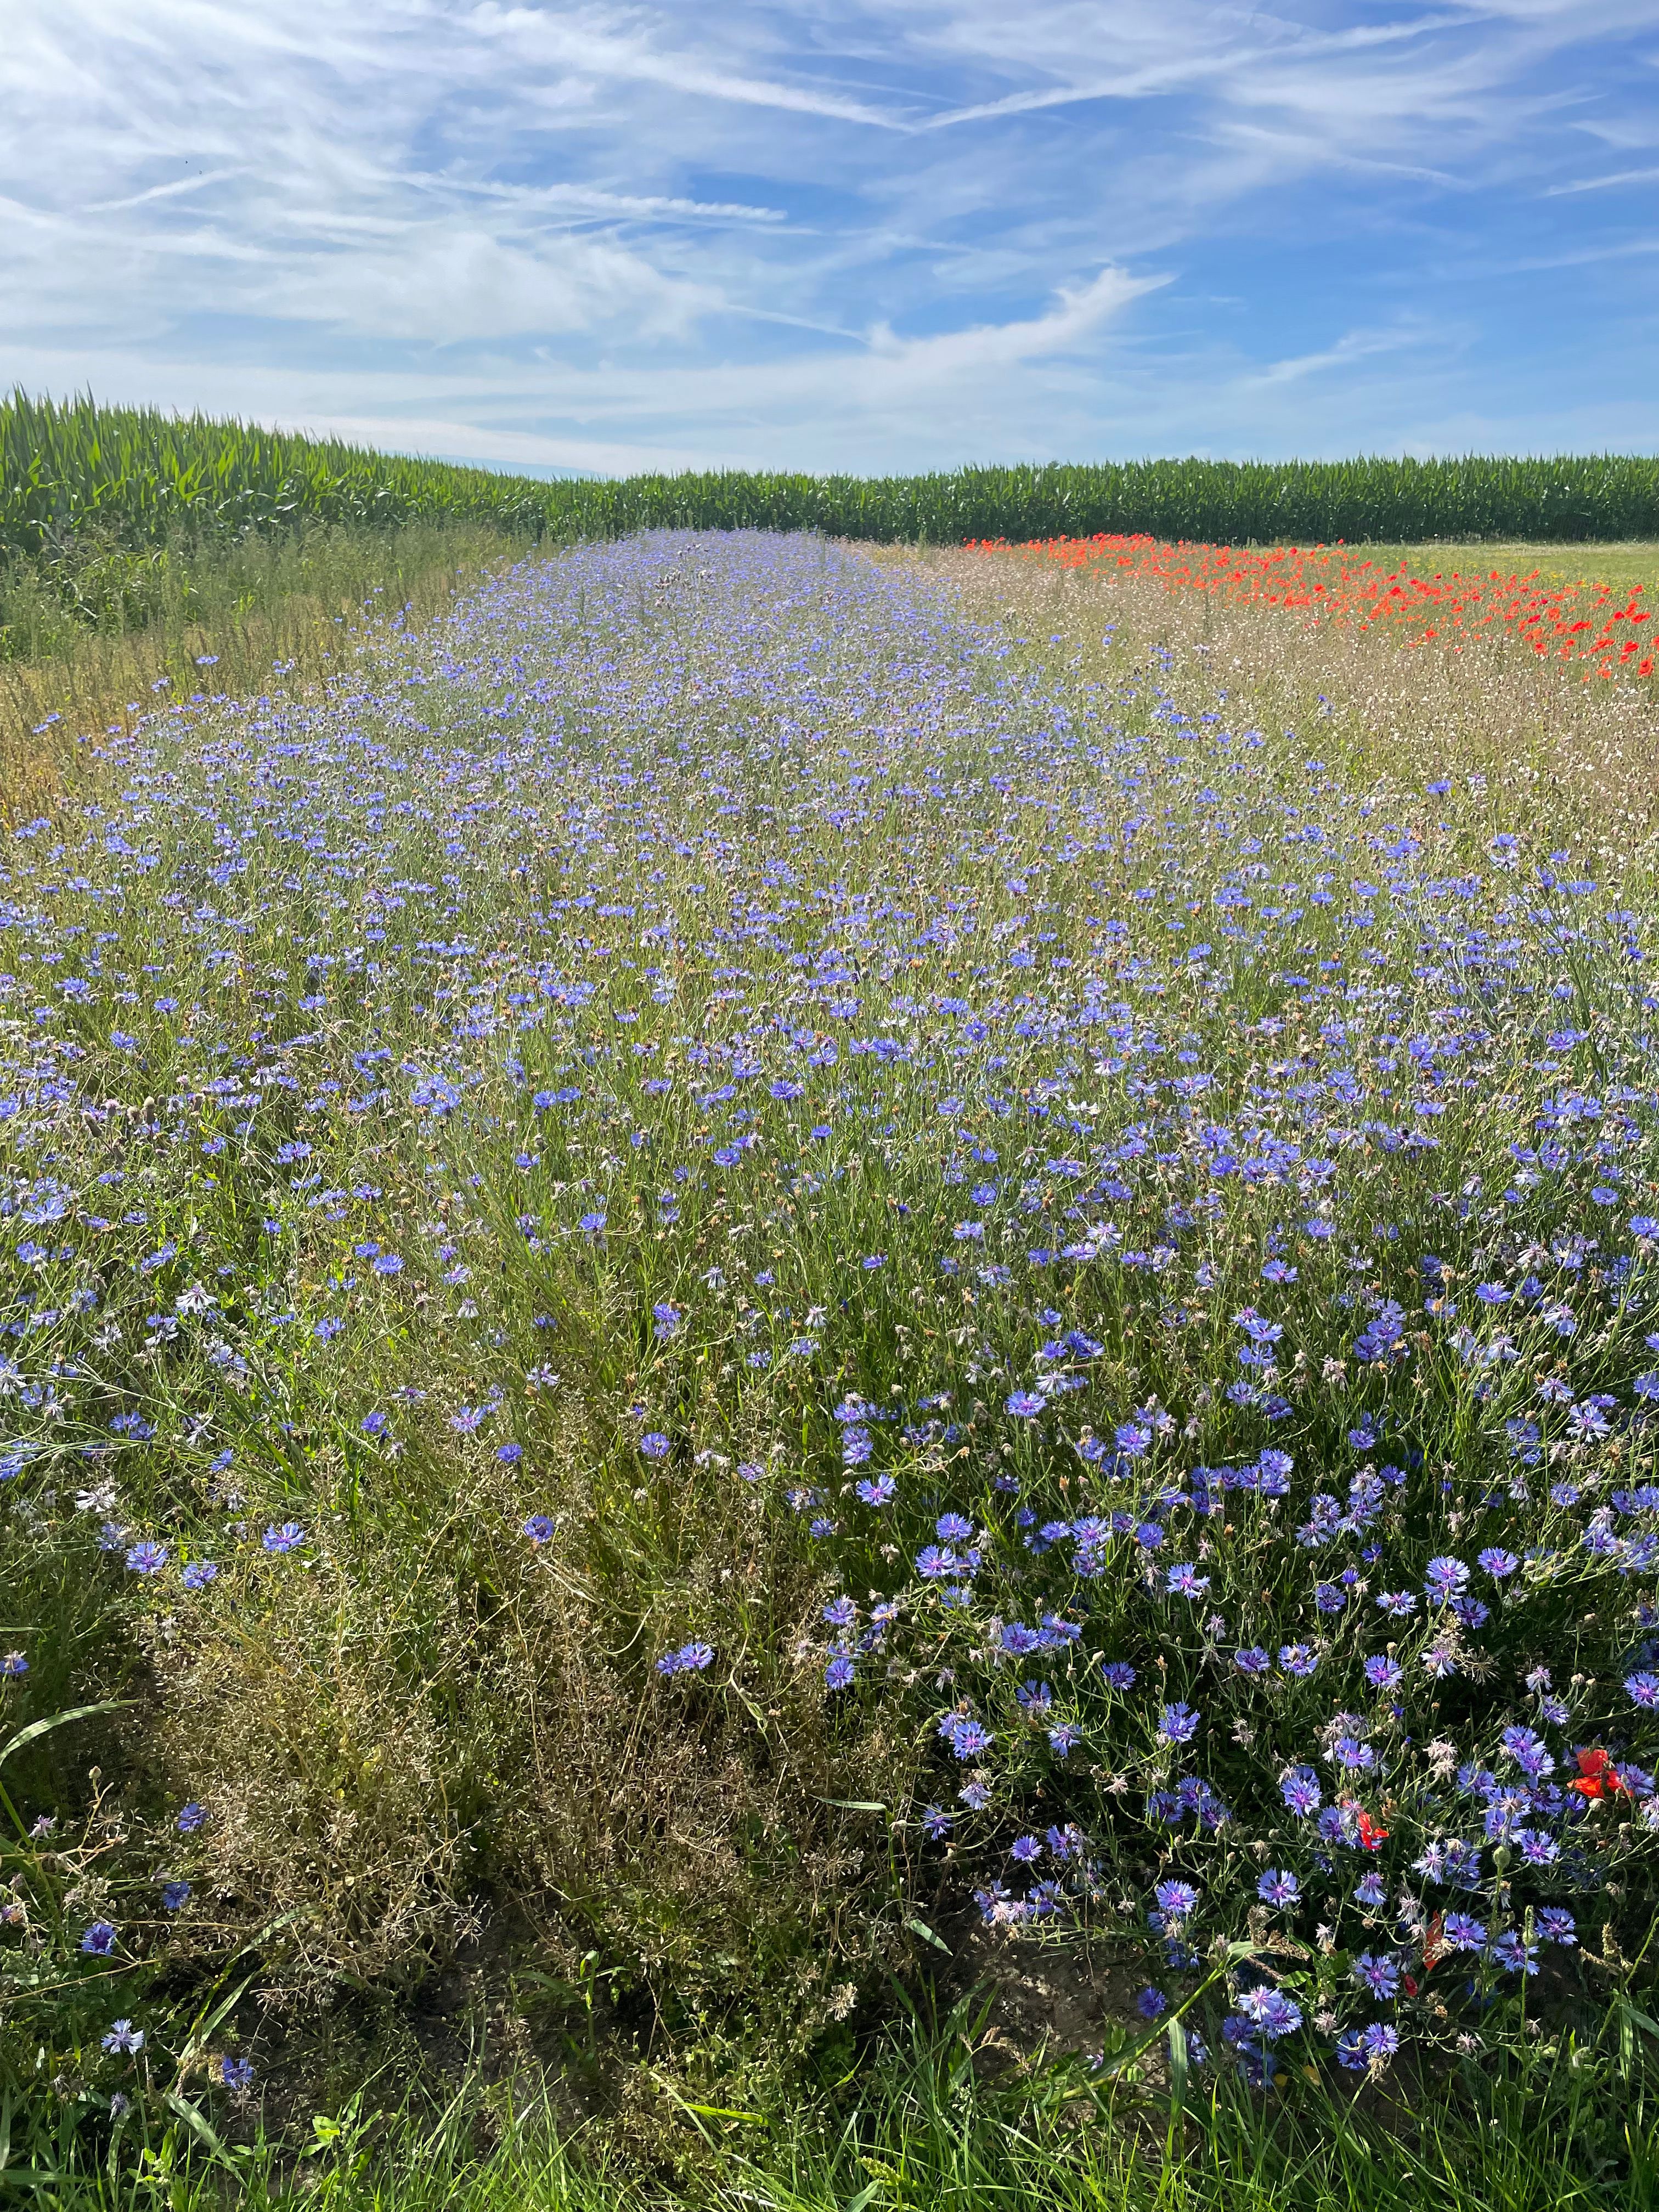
<point x="136" y="477"/>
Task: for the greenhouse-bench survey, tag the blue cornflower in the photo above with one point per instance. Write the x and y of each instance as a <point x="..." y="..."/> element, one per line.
<point x="1377" y="1973"/>
<point x="1270" y="2012"/>
<point x="1024" y="1404"/>
<point x="1642" y="1688"/>
<point x="147" y="1559"/>
<point x="1445" y="1579"/>
<point x="877" y="1489"/>
<point x="198" y="1574"/>
<point x="288" y="1538"/>
<point x="1301" y="1792"/>
<point x="539" y="1527"/>
<point x="99" y="1939"/>
<point x="1151" y="2004"/>
<point x="1460" y="1932"/>
<point x="1277" y="1886"/>
<point x="1179" y="1725"/>
<point x="838" y="1675"/>
<point x="173" y="1894"/>
<point x="654" y="1445"/>
<point x="123" y="2039"/>
<point x="691" y="1658"/>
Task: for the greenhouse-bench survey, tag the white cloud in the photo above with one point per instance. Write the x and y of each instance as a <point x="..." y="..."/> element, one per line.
<point x="852" y="233"/>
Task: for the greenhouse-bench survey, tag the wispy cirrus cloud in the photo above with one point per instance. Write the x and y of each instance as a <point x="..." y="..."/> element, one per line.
<point x="837" y="232"/>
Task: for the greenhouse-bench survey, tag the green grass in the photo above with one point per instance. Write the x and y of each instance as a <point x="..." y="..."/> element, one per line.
<point x="919" y="2122"/>
<point x="1630" y="562"/>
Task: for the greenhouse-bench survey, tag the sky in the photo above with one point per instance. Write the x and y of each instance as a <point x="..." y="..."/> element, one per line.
<point x="877" y="235"/>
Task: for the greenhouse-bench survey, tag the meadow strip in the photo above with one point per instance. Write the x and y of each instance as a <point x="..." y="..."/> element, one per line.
<point x="761" y="1276"/>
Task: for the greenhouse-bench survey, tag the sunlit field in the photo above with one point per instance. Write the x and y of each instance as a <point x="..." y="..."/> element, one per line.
<point x="764" y="1283"/>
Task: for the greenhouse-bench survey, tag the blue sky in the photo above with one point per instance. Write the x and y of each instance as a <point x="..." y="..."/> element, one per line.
<point x="871" y="235"/>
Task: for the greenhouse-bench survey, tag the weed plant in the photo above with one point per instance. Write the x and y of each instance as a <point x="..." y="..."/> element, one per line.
<point x="733" y="1277"/>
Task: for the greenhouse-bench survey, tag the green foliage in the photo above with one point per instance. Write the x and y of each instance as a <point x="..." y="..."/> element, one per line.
<point x="141" y="477"/>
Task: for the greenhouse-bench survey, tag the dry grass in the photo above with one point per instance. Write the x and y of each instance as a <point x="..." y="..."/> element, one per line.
<point x="1389" y="713"/>
<point x="84" y="652"/>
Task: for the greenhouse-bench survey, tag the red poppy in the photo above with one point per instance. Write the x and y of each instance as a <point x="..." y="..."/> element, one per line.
<point x="1597" y="1775"/>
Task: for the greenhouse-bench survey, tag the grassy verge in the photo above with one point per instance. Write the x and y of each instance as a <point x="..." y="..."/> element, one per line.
<point x="919" y="2124"/>
<point x="99" y="635"/>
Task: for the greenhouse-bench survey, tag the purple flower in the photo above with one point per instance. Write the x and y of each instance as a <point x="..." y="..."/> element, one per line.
<point x="877" y="1489"/>
<point x="1383" y="1673"/>
<point x="1459" y="1932"/>
<point x="198" y="1574"/>
<point x="123" y="2039"/>
<point x="539" y="1528"/>
<point x="1445" y="1579"/>
<point x="1177" y="1900"/>
<point x="654" y="1444"/>
<point x="100" y="1939"/>
<point x="236" y="2073"/>
<point x="1301" y="1792"/>
<point x="288" y="1538"/>
<point x="1278" y="1887"/>
<point x="1024" y="1404"/>
<point x="147" y="1559"/>
<point x="1270" y="2012"/>
<point x="1644" y="1688"/>
<point x="191" y="1818"/>
<point x="1186" y="1582"/>
<point x="1379" y="1973"/>
<point x="375" y="1424"/>
<point x="1151" y="2004"/>
<point x="1497" y="1562"/>
<point x="1179" y="1725"/>
<point x="690" y="1659"/>
<point x="838" y="1675"/>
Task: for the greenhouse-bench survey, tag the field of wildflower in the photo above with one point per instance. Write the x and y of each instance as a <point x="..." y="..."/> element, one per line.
<point x="753" y="1276"/>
